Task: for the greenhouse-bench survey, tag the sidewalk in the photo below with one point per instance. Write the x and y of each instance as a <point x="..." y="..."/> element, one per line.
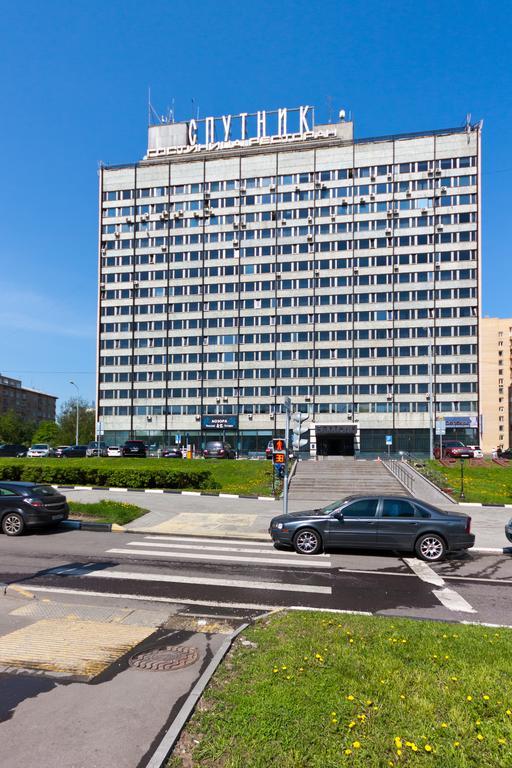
<point x="250" y="518"/>
<point x="67" y="671"/>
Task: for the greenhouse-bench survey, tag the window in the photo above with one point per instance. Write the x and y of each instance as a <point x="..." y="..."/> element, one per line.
<point x="397" y="508"/>
<point x="363" y="508"/>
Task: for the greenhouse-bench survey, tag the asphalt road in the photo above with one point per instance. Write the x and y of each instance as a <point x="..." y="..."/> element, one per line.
<point x="253" y="575"/>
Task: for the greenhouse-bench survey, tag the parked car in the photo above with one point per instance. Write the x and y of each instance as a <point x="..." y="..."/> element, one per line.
<point x="215" y="449"/>
<point x="174" y="452"/>
<point x="508" y="530"/>
<point x="134" y="448"/>
<point x="506" y="454"/>
<point x="454" y="449"/>
<point x="12" y="450"/>
<point x="59" y="449"/>
<point x="40" y="451"/>
<point x="477" y="451"/>
<point x="375" y="522"/>
<point x="27" y="505"/>
<point x="74" y="452"/>
<point x="96" y="449"/>
<point x="114" y="450"/>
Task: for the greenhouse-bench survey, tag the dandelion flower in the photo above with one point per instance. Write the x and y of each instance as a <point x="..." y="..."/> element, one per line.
<point x="469" y="698"/>
<point x="356" y="744"/>
<point x="402" y="696"/>
<point x="486" y="697"/>
<point x="348" y="751"/>
<point x="398" y="742"/>
<point x="444" y="725"/>
<point x="456" y="744"/>
<point x="350" y="697"/>
<point x="428" y="748"/>
<point x="414" y="747"/>
<point x="351" y="724"/>
<point x="479" y="737"/>
<point x="502" y="741"/>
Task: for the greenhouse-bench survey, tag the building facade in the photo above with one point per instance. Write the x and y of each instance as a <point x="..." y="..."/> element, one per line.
<point x="30" y="404"/>
<point x="343" y="273"/>
<point x="495" y="382"/>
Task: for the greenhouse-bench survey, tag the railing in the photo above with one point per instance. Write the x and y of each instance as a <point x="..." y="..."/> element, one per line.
<point x="398" y="469"/>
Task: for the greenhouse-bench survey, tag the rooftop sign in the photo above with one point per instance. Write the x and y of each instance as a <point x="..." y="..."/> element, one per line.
<point x="235" y="131"/>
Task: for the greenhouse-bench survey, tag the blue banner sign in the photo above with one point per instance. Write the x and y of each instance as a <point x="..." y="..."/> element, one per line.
<point x="219" y="422"/>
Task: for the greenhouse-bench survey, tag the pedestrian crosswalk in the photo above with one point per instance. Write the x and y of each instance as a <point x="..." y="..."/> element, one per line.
<point x="211" y="567"/>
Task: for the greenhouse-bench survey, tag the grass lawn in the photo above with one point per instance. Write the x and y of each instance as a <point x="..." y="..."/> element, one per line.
<point x="239" y="477"/>
<point x="489" y="484"/>
<point x="106" y="511"/>
<point x="317" y="690"/>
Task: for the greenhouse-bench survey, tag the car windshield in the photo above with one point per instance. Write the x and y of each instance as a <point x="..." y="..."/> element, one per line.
<point x="213" y="446"/>
<point x="332" y="506"/>
<point x="39" y="447"/>
<point x="133" y="443"/>
<point x="44" y="490"/>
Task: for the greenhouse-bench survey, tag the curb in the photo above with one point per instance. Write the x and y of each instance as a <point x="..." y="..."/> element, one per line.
<point x="163" y="750"/>
<point x="219" y="495"/>
<point x="85" y="525"/>
<point x="14" y="590"/>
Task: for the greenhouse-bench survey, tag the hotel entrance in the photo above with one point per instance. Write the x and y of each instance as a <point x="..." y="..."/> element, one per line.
<point x="335" y="440"/>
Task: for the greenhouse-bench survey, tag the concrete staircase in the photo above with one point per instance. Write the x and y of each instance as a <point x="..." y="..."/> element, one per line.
<point x="334" y="477"/>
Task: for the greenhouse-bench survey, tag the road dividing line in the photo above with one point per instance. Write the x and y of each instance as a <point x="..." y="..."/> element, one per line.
<point x="226" y="558"/>
<point x="448" y="597"/>
<point x="274" y="586"/>
<point x="453" y="601"/>
<point x="424" y="571"/>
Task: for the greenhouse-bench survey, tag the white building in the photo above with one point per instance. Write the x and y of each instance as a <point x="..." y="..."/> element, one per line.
<point x="292" y="260"/>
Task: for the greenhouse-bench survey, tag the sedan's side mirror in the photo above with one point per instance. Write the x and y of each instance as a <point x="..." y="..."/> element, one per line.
<point x="338" y="515"/>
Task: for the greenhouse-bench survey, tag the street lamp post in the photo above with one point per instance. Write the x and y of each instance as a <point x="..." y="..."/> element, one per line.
<point x="77" y="410"/>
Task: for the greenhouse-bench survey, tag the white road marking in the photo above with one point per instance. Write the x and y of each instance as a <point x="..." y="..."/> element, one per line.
<point x="154" y="490"/>
<point x="424" y="571"/>
<point x="237" y="583"/>
<point x="227" y="558"/>
<point x="209" y="540"/>
<point x="448" y="597"/>
<point x="376" y="573"/>
<point x="206" y="548"/>
<point x="452" y="600"/>
<point x="480" y="578"/>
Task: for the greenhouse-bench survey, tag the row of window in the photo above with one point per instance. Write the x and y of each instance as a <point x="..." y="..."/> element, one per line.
<point x="347" y="371"/>
<point x="283" y="266"/>
<point x="463" y="406"/>
<point x="320" y="354"/>
<point x="322" y="246"/>
<point x="421" y="166"/>
<point x="345" y="317"/>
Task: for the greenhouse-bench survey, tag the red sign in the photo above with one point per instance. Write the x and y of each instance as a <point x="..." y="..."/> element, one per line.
<point x="279" y="458"/>
<point x="278" y="445"/>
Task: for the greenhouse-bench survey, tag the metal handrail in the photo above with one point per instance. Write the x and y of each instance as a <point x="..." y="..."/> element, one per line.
<point x="397" y="468"/>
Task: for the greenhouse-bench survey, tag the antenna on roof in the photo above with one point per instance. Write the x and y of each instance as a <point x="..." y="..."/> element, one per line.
<point x="329" y="107"/>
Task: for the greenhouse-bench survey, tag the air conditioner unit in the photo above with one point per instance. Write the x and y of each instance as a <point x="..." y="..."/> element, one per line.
<point x="102" y="285"/>
<point x="145" y="217"/>
<point x="310" y="219"/>
<point x="438" y="173"/>
<point x="243" y="225"/>
<point x="103" y="250"/>
<point x="373" y="177"/>
<point x="196" y="214"/>
<point x="389" y="397"/>
<point x="310" y="238"/>
<point x="389" y="214"/>
<point x="430" y="174"/>
<point x="408" y="193"/>
<point x="443" y="190"/>
<point x="437" y="266"/>
<point x="390" y="177"/>
<point x="198" y="418"/>
<point x="317" y="274"/>
<point x="278" y="275"/>
<point x="372" y="197"/>
<point x="318" y="184"/>
<point x="206" y="195"/>
<point x="236" y="244"/>
<point x="272" y="187"/>
<point x="395" y="211"/>
<point x="349" y="416"/>
<point x="356" y="269"/>
<point x="164" y="247"/>
<point x="389" y="232"/>
<point x="272" y="416"/>
<point x="163" y="216"/>
<point x="283" y="222"/>
<point x="424" y="210"/>
<point x="118" y="234"/>
<point x="235" y="225"/>
<point x="344" y="201"/>
<point x="242" y="190"/>
<point x="440" y="228"/>
<point x="129" y="220"/>
<point x="362" y="200"/>
<point x="396" y="267"/>
<point x="297" y="188"/>
<point x="333" y="217"/>
<point x="135" y="284"/>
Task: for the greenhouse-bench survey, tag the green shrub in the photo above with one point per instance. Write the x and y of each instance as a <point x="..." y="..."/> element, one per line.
<point x="60" y="472"/>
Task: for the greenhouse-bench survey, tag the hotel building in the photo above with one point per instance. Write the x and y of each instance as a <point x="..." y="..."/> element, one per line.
<point x="292" y="260"/>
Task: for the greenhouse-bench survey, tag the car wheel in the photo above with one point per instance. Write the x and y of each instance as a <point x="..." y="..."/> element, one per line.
<point x="307" y="542"/>
<point x="430" y="547"/>
<point x="13" y="524"/>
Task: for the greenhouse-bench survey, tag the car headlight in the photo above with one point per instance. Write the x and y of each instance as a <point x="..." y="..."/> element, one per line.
<point x="279" y="526"/>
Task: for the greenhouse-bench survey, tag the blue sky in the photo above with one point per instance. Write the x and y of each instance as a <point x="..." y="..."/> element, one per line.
<point x="75" y="79"/>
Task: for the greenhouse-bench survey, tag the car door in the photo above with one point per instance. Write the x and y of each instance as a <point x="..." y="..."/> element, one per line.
<point x="357" y="526"/>
<point x="398" y="525"/>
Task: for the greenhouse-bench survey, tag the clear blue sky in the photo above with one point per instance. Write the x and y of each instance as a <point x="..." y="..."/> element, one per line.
<point x="75" y="78"/>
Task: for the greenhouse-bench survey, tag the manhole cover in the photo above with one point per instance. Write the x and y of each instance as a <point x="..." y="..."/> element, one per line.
<point x="166" y="658"/>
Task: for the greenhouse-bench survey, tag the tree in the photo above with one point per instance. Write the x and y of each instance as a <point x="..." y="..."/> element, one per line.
<point x="67" y="422"/>
<point x="47" y="432"/>
<point x="15" y="429"/>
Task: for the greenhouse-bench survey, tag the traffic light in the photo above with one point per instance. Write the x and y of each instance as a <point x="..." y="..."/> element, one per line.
<point x="278" y="445"/>
<point x="279" y="458"/>
<point x="298" y="429"/>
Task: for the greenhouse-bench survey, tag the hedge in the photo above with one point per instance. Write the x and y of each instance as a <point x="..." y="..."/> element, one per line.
<point x="62" y="473"/>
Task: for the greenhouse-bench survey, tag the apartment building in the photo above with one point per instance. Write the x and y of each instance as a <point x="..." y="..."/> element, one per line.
<point x="251" y="258"/>
<point x="495" y="382"/>
<point x="31" y="405"/>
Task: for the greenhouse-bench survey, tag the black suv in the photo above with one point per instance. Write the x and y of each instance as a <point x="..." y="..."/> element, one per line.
<point x="215" y="449"/>
<point x="27" y="505"/>
<point x="135" y="448"/>
<point x="12" y="450"/>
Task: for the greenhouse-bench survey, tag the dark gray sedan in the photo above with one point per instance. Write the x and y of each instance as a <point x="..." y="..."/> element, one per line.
<point x="375" y="522"/>
<point x="26" y="505"/>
